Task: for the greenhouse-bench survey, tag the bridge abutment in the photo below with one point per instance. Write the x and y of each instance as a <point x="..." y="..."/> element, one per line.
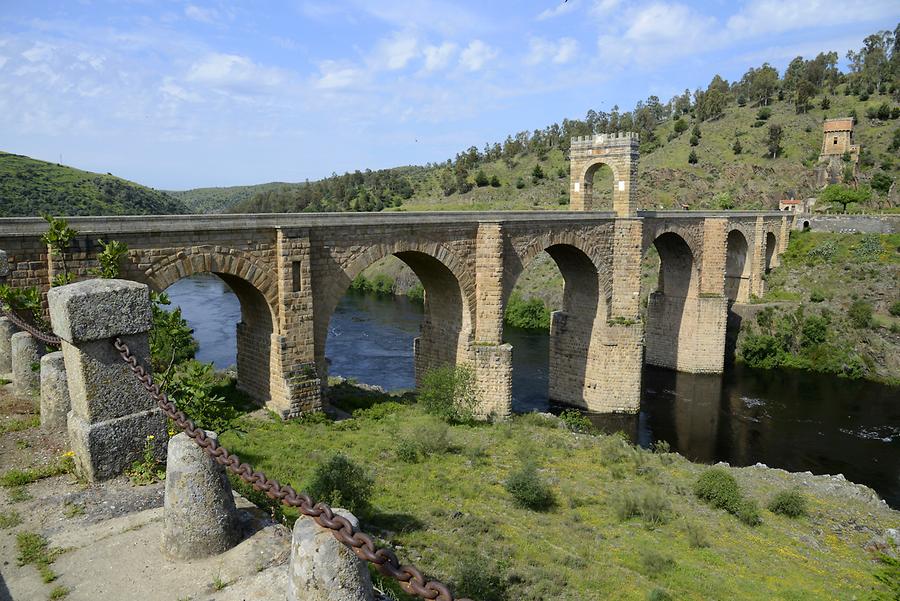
<point x="493" y="359"/>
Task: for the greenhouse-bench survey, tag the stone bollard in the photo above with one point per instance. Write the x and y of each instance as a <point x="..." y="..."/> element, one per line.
<point x="55" y="402"/>
<point x="26" y="362"/>
<point x="112" y="416"/>
<point x="4" y="264"/>
<point x="7" y="329"/>
<point x="200" y="517"/>
<point x="322" y="569"/>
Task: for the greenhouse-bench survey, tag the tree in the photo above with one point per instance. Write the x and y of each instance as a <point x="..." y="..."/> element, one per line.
<point x="843" y="195"/>
<point x="737" y="148"/>
<point x="537" y="173"/>
<point x="763" y="113"/>
<point x="481" y="179"/>
<point x="805" y="93"/>
<point x="495" y="181"/>
<point x="696" y="132"/>
<point x="680" y="125"/>
<point x="692" y="158"/>
<point x="694" y="140"/>
<point x="776" y="133"/>
<point x="826" y="103"/>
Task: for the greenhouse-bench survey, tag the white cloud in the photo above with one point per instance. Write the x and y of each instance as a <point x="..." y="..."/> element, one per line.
<point x="448" y="18"/>
<point x="438" y="57"/>
<point x="38" y="53"/>
<point x="173" y="90"/>
<point x="198" y="13"/>
<point x="560" y="9"/>
<point x="234" y="72"/>
<point x="475" y="55"/>
<point x="602" y="8"/>
<point x="336" y="75"/>
<point x="3" y="61"/>
<point x="765" y="17"/>
<point x="396" y="51"/>
<point x="541" y="50"/>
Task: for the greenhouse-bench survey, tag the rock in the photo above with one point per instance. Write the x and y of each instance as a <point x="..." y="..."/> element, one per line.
<point x="200" y="516"/>
<point x="322" y="569"/>
<point x="4" y="264"/>
<point x="99" y="309"/>
<point x="7" y="329"/>
<point x="55" y="401"/>
<point x="26" y="364"/>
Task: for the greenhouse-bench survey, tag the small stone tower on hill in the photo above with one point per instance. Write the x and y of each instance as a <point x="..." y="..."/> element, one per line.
<point x="837" y="142"/>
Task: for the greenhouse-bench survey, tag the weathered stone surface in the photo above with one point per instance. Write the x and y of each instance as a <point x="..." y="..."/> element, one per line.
<point x="200" y="516"/>
<point x="322" y="569"/>
<point x="106" y="449"/>
<point x="7" y="329"/>
<point x="99" y="309"/>
<point x="4" y="264"/>
<point x="55" y="402"/>
<point x="26" y="361"/>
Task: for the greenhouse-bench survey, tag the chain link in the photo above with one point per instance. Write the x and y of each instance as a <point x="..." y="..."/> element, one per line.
<point x="23" y="325"/>
<point x="384" y="559"/>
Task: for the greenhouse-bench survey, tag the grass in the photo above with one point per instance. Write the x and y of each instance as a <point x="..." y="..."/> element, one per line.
<point x="9" y="519"/>
<point x="59" y="592"/>
<point x="451" y="505"/>
<point x="20" y="477"/>
<point x="34" y="549"/>
<point x="20" y="424"/>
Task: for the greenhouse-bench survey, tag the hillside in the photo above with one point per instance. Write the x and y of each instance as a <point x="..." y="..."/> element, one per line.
<point x="29" y="187"/>
<point x="220" y="200"/>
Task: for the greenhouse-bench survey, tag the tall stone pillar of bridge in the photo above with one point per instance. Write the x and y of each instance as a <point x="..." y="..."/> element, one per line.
<point x="295" y="383"/>
<point x="493" y="359"/>
<point x="620" y="151"/>
<point x="787" y="223"/>
<point x="758" y="259"/>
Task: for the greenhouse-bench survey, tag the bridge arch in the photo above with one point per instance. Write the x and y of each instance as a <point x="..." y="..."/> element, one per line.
<point x="254" y="288"/>
<point x="737" y="267"/>
<point x="446" y="335"/>
<point x="585" y="181"/>
<point x="668" y="316"/>
<point x="772" y="258"/>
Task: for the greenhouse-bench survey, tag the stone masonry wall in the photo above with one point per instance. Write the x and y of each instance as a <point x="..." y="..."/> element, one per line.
<point x="618" y="151"/>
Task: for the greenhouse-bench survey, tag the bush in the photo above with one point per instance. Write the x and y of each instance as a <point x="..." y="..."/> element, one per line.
<point x="764" y="113"/>
<point x="429" y="438"/>
<point x="790" y="503"/>
<point x="692" y="158"/>
<point x="475" y="579"/>
<point x="894" y="309"/>
<point x="495" y="181"/>
<point x="718" y="488"/>
<point x="529" y="314"/>
<point x="576" y="421"/>
<point x="816" y="296"/>
<point x="481" y="179"/>
<point x="520" y="183"/>
<point x="697" y="538"/>
<point x="649" y="505"/>
<point x="860" y="314"/>
<point x="823" y="252"/>
<point x="192" y="388"/>
<point x="341" y="483"/>
<point x="448" y="392"/>
<point x="814" y="330"/>
<point x="529" y="490"/>
<point x="869" y="248"/>
<point x="655" y="563"/>
<point x="658" y="594"/>
<point x="416" y="293"/>
<point x="537" y="173"/>
<point x="171" y="338"/>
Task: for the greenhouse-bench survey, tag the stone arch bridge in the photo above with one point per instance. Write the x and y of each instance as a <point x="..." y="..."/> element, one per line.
<point x="289" y="272"/>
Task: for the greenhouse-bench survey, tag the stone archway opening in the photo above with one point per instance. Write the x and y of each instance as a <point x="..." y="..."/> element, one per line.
<point x="555" y="361"/>
<point x="676" y="282"/>
<point x="772" y="259"/>
<point x="398" y="318"/>
<point x="599" y="182"/>
<point x="737" y="267"/>
<point x="233" y="325"/>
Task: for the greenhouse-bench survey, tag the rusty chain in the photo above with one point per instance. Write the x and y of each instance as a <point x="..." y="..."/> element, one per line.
<point x="23" y="325"/>
<point x="384" y="559"/>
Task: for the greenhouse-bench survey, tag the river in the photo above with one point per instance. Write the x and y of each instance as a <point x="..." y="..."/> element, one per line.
<point x="794" y="420"/>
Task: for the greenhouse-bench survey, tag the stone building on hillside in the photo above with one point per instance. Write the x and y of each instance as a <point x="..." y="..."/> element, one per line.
<point x="837" y="143"/>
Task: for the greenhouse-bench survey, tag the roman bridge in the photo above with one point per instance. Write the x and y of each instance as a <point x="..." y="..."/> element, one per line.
<point x="289" y="272"/>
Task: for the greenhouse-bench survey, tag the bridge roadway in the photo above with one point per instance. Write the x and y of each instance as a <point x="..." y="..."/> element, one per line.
<point x="290" y="270"/>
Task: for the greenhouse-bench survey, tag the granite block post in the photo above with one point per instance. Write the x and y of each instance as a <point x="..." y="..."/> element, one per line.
<point x="26" y="364"/>
<point x="4" y="264"/>
<point x="322" y="569"/>
<point x="112" y="417"/>
<point x="200" y="517"/>
<point x="7" y="329"/>
<point x="55" y="401"/>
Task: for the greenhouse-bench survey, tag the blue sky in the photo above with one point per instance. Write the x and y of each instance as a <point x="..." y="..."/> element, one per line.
<point x="178" y="94"/>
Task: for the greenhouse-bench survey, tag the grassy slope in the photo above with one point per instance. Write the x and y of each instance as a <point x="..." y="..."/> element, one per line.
<point x="842" y="279"/>
<point x="29" y="187"/>
<point x="454" y="505"/>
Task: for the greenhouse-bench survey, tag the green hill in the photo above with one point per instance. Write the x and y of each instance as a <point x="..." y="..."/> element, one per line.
<point x="220" y="200"/>
<point x="29" y="187"/>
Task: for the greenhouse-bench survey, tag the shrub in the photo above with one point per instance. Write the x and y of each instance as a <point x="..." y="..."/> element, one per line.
<point x="171" y="338"/>
<point x="790" y="503"/>
<point x="477" y="579"/>
<point x="692" y="158"/>
<point x="649" y="505"/>
<point x="747" y="512"/>
<point x="191" y="389"/>
<point x="110" y="259"/>
<point x="448" y="392"/>
<point x="576" y="421"/>
<point x="529" y="314"/>
<point x="860" y="314"/>
<point x="431" y="437"/>
<point x="341" y="483"/>
<point x="680" y="125"/>
<point x="764" y="113"/>
<point x="823" y="252"/>
<point x="718" y="488"/>
<point x="481" y="179"/>
<point x="697" y="538"/>
<point x="655" y="563"/>
<point x="537" y="173"/>
<point x="495" y="181"/>
<point x="658" y="594"/>
<point x="416" y="293"/>
<point x="816" y="296"/>
<point x="529" y="490"/>
<point x="520" y="183"/>
<point x="814" y="330"/>
<point x="894" y="309"/>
